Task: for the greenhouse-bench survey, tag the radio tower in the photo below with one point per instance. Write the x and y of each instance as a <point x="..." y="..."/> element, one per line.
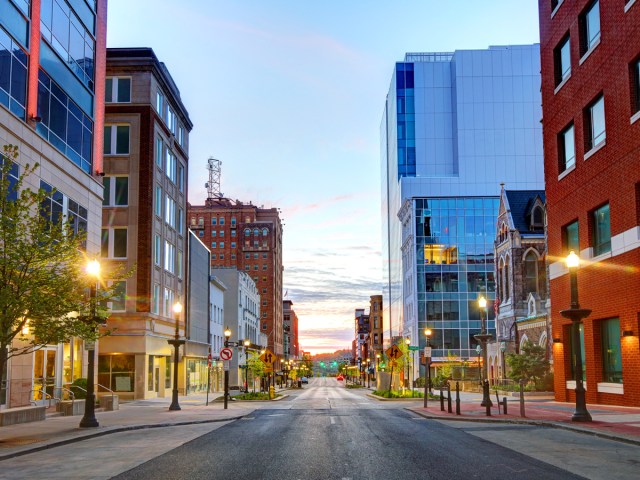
<point x="213" y="185"/>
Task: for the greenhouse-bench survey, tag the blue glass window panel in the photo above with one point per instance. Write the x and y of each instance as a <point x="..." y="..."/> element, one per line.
<point x="74" y="134"/>
<point x="76" y="45"/>
<point x="43" y="103"/>
<point x="87" y="139"/>
<point x="5" y="69"/>
<point x="400" y="105"/>
<point x="410" y="130"/>
<point x="58" y="122"/>
<point x="409" y="79"/>
<point x="46" y="12"/>
<point x="399" y="80"/>
<point x="15" y="22"/>
<point x="60" y="25"/>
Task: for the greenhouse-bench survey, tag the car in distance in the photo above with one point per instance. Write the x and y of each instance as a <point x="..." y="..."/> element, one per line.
<point x="304" y="380"/>
<point x="340" y="378"/>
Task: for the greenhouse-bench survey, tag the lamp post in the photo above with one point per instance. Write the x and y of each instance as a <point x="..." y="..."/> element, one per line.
<point x="176" y="341"/>
<point x="89" y="418"/>
<point x="576" y="315"/>
<point x="247" y="342"/>
<point x="407" y="342"/>
<point x="427" y="361"/>
<point x="227" y="336"/>
<point x="368" y="373"/>
<point x="482" y="338"/>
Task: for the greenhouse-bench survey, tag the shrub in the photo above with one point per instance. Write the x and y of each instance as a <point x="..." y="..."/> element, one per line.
<point x="81" y="392"/>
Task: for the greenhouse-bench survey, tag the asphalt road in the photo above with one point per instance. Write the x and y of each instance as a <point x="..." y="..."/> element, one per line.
<point x="328" y="432"/>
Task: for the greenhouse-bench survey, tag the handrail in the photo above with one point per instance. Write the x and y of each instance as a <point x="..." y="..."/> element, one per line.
<point x="48" y="396"/>
<point x="64" y="389"/>
<point x="108" y="390"/>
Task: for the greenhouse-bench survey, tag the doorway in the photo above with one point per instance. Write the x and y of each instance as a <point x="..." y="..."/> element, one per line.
<point x="44" y="374"/>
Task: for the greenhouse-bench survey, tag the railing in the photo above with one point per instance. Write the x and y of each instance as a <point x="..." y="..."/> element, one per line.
<point x="108" y="390"/>
<point x="47" y="396"/>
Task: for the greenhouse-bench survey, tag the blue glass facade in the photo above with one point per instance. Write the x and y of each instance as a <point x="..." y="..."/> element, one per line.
<point x="406" y="122"/>
<point x="454" y="264"/>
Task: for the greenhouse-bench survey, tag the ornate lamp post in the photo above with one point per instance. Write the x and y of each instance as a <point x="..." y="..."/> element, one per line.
<point x="89" y="417"/>
<point x="176" y="341"/>
<point x="407" y="342"/>
<point x="246" y="365"/>
<point x="427" y="361"/>
<point x="368" y="373"/>
<point x="227" y="336"/>
<point x="576" y="315"/>
<point x="482" y="338"/>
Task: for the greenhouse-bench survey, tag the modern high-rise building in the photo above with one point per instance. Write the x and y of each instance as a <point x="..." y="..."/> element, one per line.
<point x="146" y="156"/>
<point x="455" y="125"/>
<point x="52" y="67"/>
<point x="249" y="238"/>
<point x="590" y="56"/>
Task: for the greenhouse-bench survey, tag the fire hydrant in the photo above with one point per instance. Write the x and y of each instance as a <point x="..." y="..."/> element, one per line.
<point x="272" y="392"/>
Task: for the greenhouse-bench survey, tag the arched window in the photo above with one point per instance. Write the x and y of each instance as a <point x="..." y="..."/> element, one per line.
<point x="537" y="219"/>
<point x="256" y="232"/>
<point x="531" y="272"/>
<point x="264" y="232"/>
<point x="506" y="294"/>
<point x="247" y="231"/>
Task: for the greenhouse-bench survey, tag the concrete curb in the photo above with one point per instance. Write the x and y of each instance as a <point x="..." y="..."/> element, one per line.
<point x="110" y="430"/>
<point x="538" y="423"/>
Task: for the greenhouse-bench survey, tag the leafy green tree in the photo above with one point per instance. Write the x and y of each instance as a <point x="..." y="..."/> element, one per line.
<point x="44" y="288"/>
<point x="256" y="366"/>
<point x="530" y="364"/>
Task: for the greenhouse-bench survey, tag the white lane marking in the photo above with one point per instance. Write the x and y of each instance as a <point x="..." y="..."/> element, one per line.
<point x="333" y="420"/>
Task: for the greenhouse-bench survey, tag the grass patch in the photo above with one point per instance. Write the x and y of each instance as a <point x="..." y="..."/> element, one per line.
<point x="352" y="385"/>
<point x="398" y="394"/>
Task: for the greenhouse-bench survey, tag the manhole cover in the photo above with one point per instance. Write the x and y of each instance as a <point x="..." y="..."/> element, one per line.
<point x="16" y="442"/>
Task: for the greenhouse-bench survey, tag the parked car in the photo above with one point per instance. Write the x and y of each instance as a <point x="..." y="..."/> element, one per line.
<point x="340" y="378"/>
<point x="304" y="380"/>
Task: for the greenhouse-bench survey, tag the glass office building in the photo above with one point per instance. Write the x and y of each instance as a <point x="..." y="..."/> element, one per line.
<point x="454" y="127"/>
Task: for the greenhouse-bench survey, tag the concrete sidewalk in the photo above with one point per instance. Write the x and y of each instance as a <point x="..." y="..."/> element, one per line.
<point x="20" y="439"/>
<point x="611" y="422"/>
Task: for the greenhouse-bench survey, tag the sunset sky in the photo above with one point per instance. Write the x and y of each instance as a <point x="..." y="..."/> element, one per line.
<point x="289" y="95"/>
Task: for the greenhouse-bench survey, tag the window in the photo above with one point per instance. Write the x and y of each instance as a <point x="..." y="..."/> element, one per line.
<point x="233" y="233"/>
<point x="221" y="244"/>
<point x="180" y="177"/>
<point x="222" y="256"/>
<point x="233" y="244"/>
<point x="611" y="352"/>
<point x="213" y="245"/>
<point x="264" y="314"/>
<point x="562" y="60"/>
<point x="531" y="272"/>
<point x="635" y="86"/>
<point x="255" y="255"/>
<point x="264" y="255"/>
<point x="264" y="303"/>
<point x="264" y="267"/>
<point x="221" y="220"/>
<point x="601" y="231"/>
<point x="233" y="256"/>
<point x="179" y="220"/>
<point x="159" y="152"/>
<point x="170" y="212"/>
<point x="255" y="267"/>
<point x="155" y="301"/>
<point x="590" y="27"/>
<point x="247" y="267"/>
<point x="158" y="209"/>
<point x="116" y="139"/>
<point x="13" y="75"/>
<point x="168" y="302"/>
<point x="595" y="126"/>
<point x="537" y="218"/>
<point x="264" y="232"/>
<point x="264" y="290"/>
<point x="116" y="191"/>
<point x="179" y="259"/>
<point x="567" y="148"/>
<point x="118" y="301"/>
<point x="247" y="231"/>
<point x="118" y="90"/>
<point x="181" y="136"/>
<point x="119" y="243"/>
<point x="214" y="220"/>
<point x="264" y="279"/>
<point x="247" y="255"/>
<point x="169" y="257"/>
<point x="201" y="233"/>
<point x="570" y="239"/>
<point x="222" y="233"/>
<point x="104" y="243"/>
<point x="171" y="120"/>
<point x="214" y="233"/>
<point x="170" y="166"/>
<point x="160" y="103"/>
<point x="233" y="221"/>
<point x="157" y="249"/>
<point x="214" y="256"/>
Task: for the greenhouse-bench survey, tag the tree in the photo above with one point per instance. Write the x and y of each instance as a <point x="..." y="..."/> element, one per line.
<point x="44" y="290"/>
<point x="256" y="366"/>
<point x="530" y="364"/>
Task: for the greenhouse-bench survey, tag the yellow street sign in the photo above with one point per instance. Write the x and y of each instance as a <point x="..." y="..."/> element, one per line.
<point x="394" y="352"/>
<point x="268" y="357"/>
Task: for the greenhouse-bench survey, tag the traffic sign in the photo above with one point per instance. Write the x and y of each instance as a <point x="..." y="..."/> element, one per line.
<point x="226" y="354"/>
<point x="394" y="352"/>
<point x="268" y="357"/>
<point x="414" y="348"/>
<point x="427" y="352"/>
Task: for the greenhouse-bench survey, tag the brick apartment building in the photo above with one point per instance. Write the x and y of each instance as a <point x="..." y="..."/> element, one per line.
<point x="249" y="238"/>
<point x="144" y="222"/>
<point x="291" y="340"/>
<point x="590" y="57"/>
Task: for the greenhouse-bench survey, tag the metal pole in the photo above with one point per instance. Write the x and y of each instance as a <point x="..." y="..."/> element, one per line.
<point x="208" y="383"/>
<point x="226" y="386"/>
<point x="89" y="417"/>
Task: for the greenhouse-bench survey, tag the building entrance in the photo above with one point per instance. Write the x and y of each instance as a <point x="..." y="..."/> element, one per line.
<point x="44" y="375"/>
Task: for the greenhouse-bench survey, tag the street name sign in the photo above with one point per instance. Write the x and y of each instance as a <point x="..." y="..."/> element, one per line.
<point x="414" y="348"/>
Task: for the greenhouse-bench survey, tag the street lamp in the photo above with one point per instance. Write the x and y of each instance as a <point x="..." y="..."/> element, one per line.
<point x="407" y="341"/>
<point x="246" y="365"/>
<point x="176" y="341"/>
<point x="427" y="361"/>
<point x="89" y="417"/>
<point x="576" y="315"/>
<point x="368" y="373"/>
<point x="227" y="336"/>
<point x="482" y="338"/>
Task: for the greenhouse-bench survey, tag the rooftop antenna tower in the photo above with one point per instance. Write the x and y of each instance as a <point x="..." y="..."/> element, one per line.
<point x="215" y="172"/>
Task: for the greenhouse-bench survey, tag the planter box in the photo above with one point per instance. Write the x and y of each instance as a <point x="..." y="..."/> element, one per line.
<point x="71" y="407"/>
<point x="12" y="416"/>
<point x="109" y="402"/>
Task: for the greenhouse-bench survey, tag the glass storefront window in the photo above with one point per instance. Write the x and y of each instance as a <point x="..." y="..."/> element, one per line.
<point x="117" y="372"/>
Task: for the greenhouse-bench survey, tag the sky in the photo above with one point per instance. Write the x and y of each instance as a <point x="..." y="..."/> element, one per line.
<point x="289" y="95"/>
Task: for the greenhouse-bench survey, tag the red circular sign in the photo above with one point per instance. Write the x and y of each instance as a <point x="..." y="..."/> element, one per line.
<point x="226" y="354"/>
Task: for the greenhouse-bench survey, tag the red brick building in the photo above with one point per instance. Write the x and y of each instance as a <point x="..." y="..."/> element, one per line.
<point x="249" y="238"/>
<point x="590" y="57"/>
<point x="291" y="340"/>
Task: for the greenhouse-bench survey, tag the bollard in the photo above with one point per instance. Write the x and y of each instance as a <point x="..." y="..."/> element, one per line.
<point x="272" y="393"/>
<point x="522" y="398"/>
<point x="486" y="395"/>
<point x="504" y="405"/>
<point x="449" y="398"/>
<point x="441" y="400"/>
<point x="498" y="402"/>
<point x="457" y="398"/>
